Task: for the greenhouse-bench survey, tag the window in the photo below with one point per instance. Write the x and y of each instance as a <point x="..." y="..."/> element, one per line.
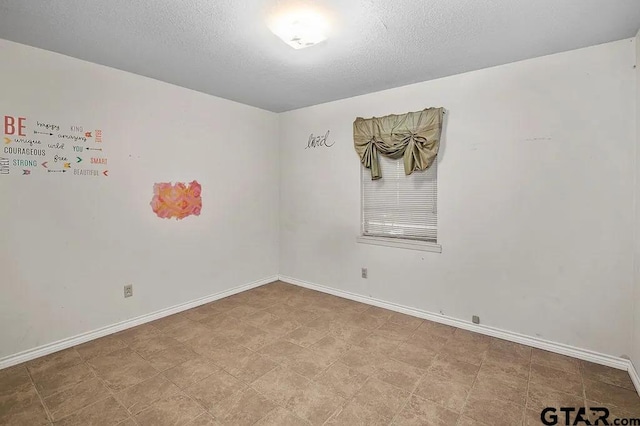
<point x="398" y="206"/>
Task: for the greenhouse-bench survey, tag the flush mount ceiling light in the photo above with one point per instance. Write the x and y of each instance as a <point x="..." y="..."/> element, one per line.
<point x="300" y="29"/>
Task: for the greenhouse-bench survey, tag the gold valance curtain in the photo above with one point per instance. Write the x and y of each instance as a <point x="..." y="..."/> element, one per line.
<point x="415" y="136"/>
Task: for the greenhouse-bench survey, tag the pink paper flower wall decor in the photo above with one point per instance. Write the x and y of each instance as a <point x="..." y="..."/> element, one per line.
<point x="179" y="200"/>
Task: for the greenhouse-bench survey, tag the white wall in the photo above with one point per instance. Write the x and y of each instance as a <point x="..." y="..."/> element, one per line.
<point x="536" y="184"/>
<point x="635" y="358"/>
<point x="69" y="245"/>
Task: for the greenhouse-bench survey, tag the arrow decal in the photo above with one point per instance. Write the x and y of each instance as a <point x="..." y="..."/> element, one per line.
<point x="56" y="171"/>
<point x="7" y="140"/>
<point x="45" y="165"/>
<point x="42" y="133"/>
<point x="105" y="172"/>
<point x="26" y="172"/>
<point x="94" y="149"/>
<point x="67" y="165"/>
<point x="79" y="160"/>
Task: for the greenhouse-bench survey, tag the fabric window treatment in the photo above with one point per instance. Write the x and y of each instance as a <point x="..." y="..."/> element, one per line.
<point x="414" y="136"/>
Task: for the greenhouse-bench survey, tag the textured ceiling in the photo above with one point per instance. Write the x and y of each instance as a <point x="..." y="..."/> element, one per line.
<point x="223" y="47"/>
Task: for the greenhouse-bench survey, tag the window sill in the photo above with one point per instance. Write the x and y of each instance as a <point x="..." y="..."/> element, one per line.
<point x="400" y="243"/>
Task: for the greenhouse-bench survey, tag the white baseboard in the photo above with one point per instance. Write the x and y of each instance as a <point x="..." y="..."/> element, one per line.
<point x="49" y="348"/>
<point x="583" y="354"/>
<point x="634" y="376"/>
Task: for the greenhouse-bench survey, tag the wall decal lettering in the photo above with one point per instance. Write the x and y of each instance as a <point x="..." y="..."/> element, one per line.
<point x="47" y="141"/>
<point x="318" y="141"/>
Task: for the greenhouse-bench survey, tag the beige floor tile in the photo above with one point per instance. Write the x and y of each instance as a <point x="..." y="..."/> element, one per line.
<point x="494" y="412"/>
<point x="105" y="412"/>
<point x="553" y="360"/>
<point x="362" y="360"/>
<point x="284" y="355"/>
<point x="56" y="380"/>
<point x="259" y="317"/>
<point x="255" y="338"/>
<point x="414" y="354"/>
<point x="141" y="396"/>
<point x="13" y="379"/>
<point x="191" y="372"/>
<point x="281" y="417"/>
<point x="315" y="403"/>
<point x="242" y="311"/>
<point x="204" y="420"/>
<point x="595" y="412"/>
<point x="170" y="357"/>
<point x="625" y="399"/>
<point x="211" y="391"/>
<point x="102" y="346"/>
<point x="342" y="380"/>
<point x="305" y="336"/>
<point x="243" y="408"/>
<point x="405" y="320"/>
<point x="367" y="321"/>
<point x="379" y="344"/>
<point x="465" y="349"/>
<point x="56" y="361"/>
<point x="436" y="329"/>
<point x="137" y="334"/>
<point x="280" y="385"/>
<point x="153" y="344"/>
<point x="454" y="370"/>
<point x="540" y="397"/>
<point x="204" y="312"/>
<point x="281" y="351"/>
<point x="358" y="414"/>
<point x="308" y="363"/>
<point x="242" y="363"/>
<point x="421" y="412"/>
<point x="505" y="349"/>
<point x="176" y="409"/>
<point x="466" y="421"/>
<point x="331" y="347"/>
<point x="444" y="391"/>
<point x="76" y="397"/>
<point x="22" y="407"/>
<point x="394" y="331"/>
<point x="187" y="331"/>
<point x="430" y="336"/>
<point x="122" y="369"/>
<point x="557" y="379"/>
<point x="278" y="327"/>
<point x="347" y="332"/>
<point x="501" y="363"/>
<point x="285" y="312"/>
<point x="229" y="356"/>
<point x="206" y="344"/>
<point x="398" y="374"/>
<point x="170" y="322"/>
<point x="500" y="386"/>
<point x="601" y="373"/>
<point x="379" y="312"/>
<point x="376" y="403"/>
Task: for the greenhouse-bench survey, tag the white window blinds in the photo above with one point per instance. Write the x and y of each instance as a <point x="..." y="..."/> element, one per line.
<point x="400" y="206"/>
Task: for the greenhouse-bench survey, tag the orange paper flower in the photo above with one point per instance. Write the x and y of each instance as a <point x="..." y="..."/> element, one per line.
<point x="179" y="200"/>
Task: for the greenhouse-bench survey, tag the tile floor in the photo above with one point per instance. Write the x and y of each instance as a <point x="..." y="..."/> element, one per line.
<point x="284" y="355"/>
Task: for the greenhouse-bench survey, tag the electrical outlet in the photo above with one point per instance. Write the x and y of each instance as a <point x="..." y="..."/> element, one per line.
<point x="475" y="319"/>
<point x="364" y="273"/>
<point x="128" y="290"/>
